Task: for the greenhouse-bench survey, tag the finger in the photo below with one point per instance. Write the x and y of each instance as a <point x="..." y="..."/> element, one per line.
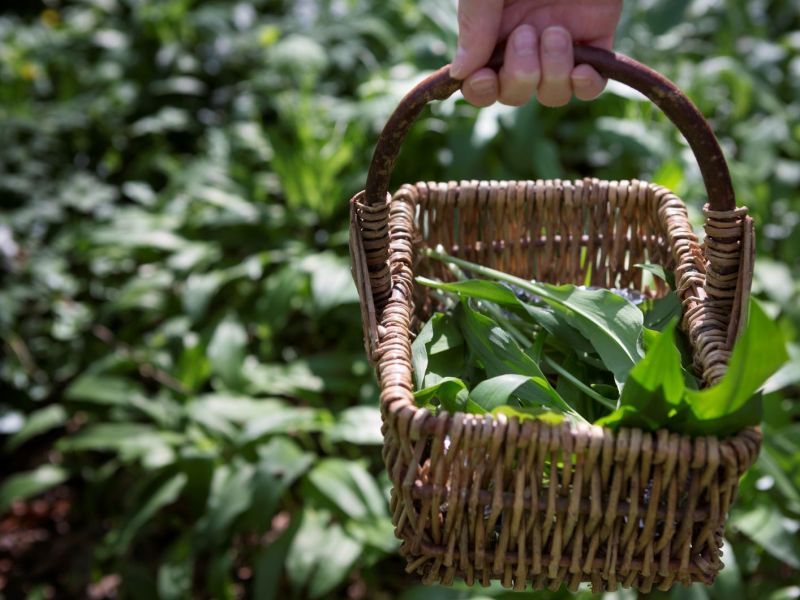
<point x="555" y="87"/>
<point x="586" y="82"/>
<point x="520" y="73"/>
<point x="478" y="27"/>
<point x="481" y="87"/>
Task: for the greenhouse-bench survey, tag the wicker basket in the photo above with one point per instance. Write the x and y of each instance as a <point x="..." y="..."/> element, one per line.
<point x="529" y="503"/>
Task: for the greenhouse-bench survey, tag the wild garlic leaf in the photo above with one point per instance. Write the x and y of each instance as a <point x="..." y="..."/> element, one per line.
<point x="611" y="324"/>
<point x="523" y="413"/>
<point x="758" y="353"/>
<point x="446" y="336"/>
<point x="497" y="391"/>
<point x="437" y="351"/>
<point x="451" y="393"/>
<point x="660" y="311"/>
<point x="559" y="328"/>
<point x="482" y="289"/>
<point x="419" y="350"/>
<point x="499" y="354"/>
<point x="655" y="388"/>
<point x="660" y="272"/>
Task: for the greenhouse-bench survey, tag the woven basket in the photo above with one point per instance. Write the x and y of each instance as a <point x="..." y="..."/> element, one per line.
<point x="528" y="503"/>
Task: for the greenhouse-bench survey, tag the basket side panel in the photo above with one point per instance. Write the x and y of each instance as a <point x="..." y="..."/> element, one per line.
<point x="583" y="232"/>
<point x="537" y="505"/>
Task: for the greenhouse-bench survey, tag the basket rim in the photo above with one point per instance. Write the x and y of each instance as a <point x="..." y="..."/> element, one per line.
<point x="419" y="422"/>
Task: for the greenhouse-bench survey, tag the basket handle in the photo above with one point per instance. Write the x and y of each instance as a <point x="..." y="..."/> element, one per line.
<point x="660" y="90"/>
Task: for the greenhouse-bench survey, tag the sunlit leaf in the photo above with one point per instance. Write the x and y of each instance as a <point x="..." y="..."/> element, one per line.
<point x="37" y="423"/>
<point x="226" y="351"/>
<point x="22" y="486"/>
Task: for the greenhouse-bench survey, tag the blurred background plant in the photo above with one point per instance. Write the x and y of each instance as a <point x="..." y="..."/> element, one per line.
<point x="185" y="406"/>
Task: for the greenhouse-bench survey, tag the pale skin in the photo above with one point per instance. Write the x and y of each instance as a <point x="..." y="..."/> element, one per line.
<point x="538" y="59"/>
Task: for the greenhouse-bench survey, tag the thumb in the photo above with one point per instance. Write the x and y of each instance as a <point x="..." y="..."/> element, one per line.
<point x="478" y="28"/>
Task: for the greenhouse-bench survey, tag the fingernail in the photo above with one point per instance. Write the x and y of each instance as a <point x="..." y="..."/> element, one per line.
<point x="555" y="41"/>
<point x="457" y="66"/>
<point x="482" y="85"/>
<point x="524" y="41"/>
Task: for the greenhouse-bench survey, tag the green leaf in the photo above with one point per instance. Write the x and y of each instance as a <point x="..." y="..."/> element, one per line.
<point x="611" y="324"/>
<point x="419" y="349"/>
<point x="501" y="355"/>
<point x="166" y="493"/>
<point x="655" y="387"/>
<point x="339" y="554"/>
<point x="304" y="377"/>
<point x="280" y="463"/>
<point x="283" y="292"/>
<point x="786" y="593"/>
<point x="331" y="281"/>
<point x="659" y="312"/>
<point x="788" y="375"/>
<point x="130" y="441"/>
<point x="232" y="408"/>
<point x="321" y="554"/>
<point x="660" y="272"/>
<point x="226" y="351"/>
<point x="284" y="419"/>
<point x="732" y="404"/>
<point x="523" y="413"/>
<point x="37" y="423"/>
<point x="451" y="393"/>
<point x="767" y="527"/>
<point x="658" y="374"/>
<point x="497" y="391"/>
<point x="377" y="533"/>
<point x="446" y="336"/>
<point x="22" y="486"/>
<point x="198" y="291"/>
<point x="434" y="349"/>
<point x="177" y="570"/>
<point x="771" y="462"/>
<point x="348" y="486"/>
<point x="231" y="494"/>
<point x="268" y="564"/>
<point x="103" y="389"/>
<point x="359" y="425"/>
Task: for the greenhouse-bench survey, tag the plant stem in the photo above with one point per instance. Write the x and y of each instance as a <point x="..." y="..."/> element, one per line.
<point x="578" y="383"/>
<point x="538" y="345"/>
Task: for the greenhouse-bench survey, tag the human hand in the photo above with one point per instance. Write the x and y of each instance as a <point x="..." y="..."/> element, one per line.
<point x="538" y="57"/>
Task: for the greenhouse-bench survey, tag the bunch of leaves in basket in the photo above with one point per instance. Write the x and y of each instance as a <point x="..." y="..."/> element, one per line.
<point x="612" y="357"/>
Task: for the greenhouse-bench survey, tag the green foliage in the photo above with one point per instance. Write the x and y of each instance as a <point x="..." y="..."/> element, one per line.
<point x="658" y="392"/>
<point x="181" y="340"/>
<point x="655" y="389"/>
<point x="21" y="486"/>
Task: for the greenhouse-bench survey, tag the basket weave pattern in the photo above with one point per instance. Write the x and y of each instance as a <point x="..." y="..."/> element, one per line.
<point x="531" y="503"/>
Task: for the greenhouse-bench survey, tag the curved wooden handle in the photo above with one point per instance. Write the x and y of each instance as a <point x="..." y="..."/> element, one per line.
<point x="660" y="90"/>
